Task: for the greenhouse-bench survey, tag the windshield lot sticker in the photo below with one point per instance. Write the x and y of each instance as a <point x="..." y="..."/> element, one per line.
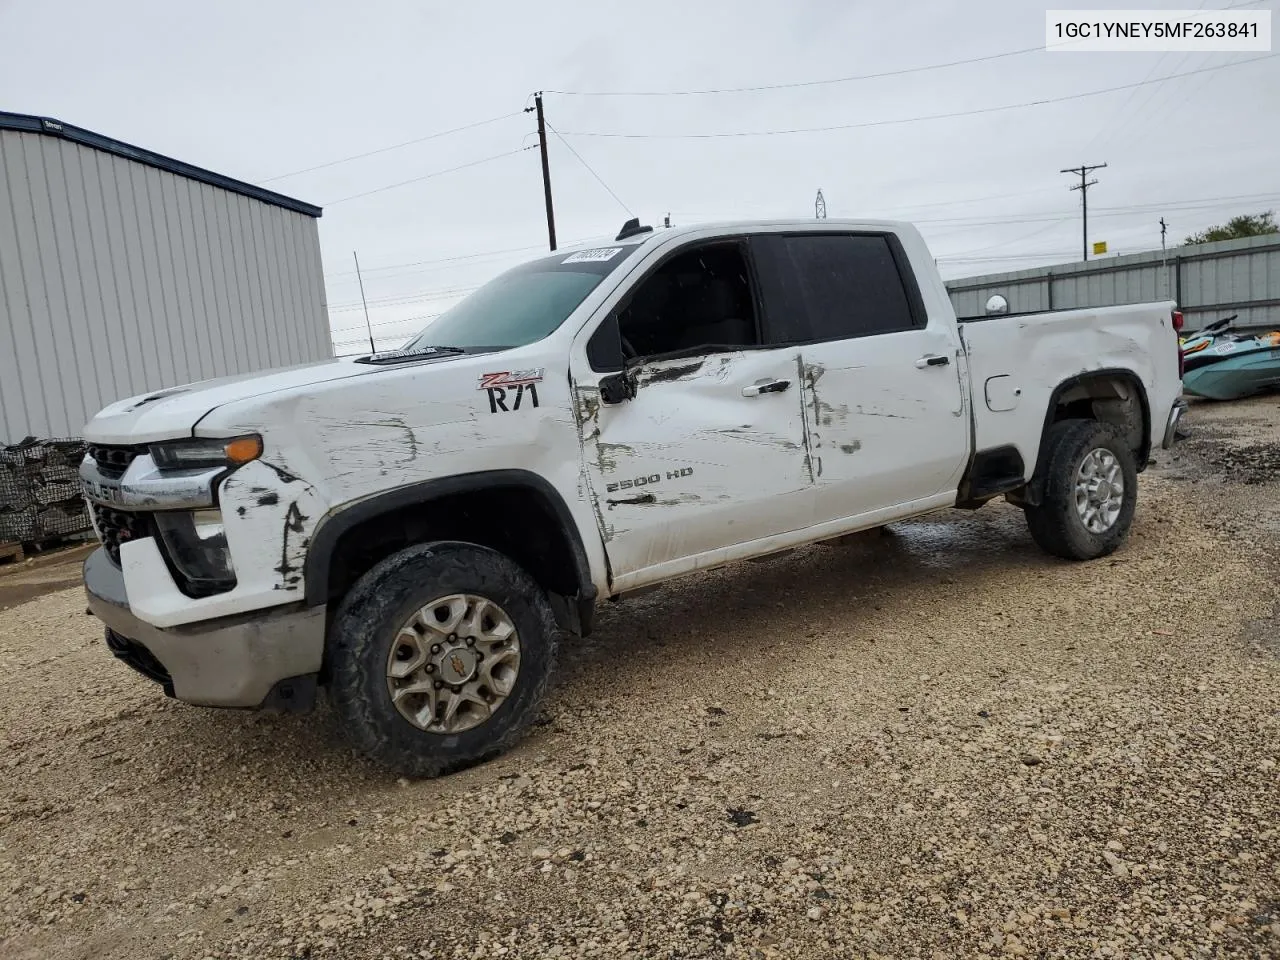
<point x="599" y="255"/>
<point x="511" y="386"/>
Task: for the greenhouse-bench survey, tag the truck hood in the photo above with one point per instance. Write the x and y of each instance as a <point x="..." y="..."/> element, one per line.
<point x="174" y="412"/>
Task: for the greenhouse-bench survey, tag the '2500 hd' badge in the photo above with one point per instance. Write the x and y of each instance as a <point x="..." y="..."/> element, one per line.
<point x="511" y="386"/>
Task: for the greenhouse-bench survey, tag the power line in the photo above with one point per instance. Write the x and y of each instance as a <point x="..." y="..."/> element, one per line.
<point x="465" y="256"/>
<point x="1008" y="257"/>
<point x="381" y="323"/>
<point x="394" y="146"/>
<point x="1134" y="94"/>
<point x="1200" y="203"/>
<point x="420" y="263"/>
<point x="902" y="120"/>
<point x="959" y="203"/>
<point x="795" y="84"/>
<point x="1018" y="239"/>
<point x="599" y="179"/>
<point x="404" y="298"/>
<point x="428" y="176"/>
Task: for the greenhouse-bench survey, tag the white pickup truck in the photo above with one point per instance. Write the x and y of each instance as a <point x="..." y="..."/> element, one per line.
<point x="417" y="530"/>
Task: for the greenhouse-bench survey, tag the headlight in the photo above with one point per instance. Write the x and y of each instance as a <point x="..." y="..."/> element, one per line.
<point x="203" y="453"/>
<point x="197" y="545"/>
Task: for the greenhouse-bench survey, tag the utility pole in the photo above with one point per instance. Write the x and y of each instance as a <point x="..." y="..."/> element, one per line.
<point x="1083" y="186"/>
<point x="546" y="168"/>
<point x="820" y="207"/>
<point x="367" y="324"/>
<point x="1164" y="266"/>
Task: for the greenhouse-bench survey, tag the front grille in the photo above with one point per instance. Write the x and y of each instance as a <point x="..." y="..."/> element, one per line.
<point x="113" y="460"/>
<point x="120" y="526"/>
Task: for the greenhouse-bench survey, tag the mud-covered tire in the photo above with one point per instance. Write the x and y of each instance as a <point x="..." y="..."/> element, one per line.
<point x="365" y="626"/>
<point x="1056" y="525"/>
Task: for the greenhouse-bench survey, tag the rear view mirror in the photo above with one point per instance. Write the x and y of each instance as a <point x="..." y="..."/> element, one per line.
<point x="616" y="388"/>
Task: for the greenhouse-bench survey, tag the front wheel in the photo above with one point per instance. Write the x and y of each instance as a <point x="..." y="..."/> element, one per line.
<point x="1090" y="491"/>
<point x="439" y="657"/>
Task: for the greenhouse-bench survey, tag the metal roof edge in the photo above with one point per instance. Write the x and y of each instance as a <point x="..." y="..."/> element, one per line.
<point x="50" y="127"/>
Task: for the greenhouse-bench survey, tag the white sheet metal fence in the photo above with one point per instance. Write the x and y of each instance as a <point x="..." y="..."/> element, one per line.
<point x="1208" y="281"/>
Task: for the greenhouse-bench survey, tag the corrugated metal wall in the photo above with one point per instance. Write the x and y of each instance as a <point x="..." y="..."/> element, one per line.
<point x="1208" y="280"/>
<point x="119" y="278"/>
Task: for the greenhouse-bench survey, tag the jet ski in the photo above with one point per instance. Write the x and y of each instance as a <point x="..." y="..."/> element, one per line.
<point x="1220" y="364"/>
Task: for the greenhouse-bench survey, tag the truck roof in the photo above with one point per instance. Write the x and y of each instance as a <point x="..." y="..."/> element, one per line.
<point x="746" y="226"/>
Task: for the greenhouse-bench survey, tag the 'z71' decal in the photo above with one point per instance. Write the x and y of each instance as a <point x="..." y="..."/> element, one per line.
<point x="511" y="386"/>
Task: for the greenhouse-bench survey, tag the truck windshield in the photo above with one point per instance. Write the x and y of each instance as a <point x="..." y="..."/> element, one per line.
<point x="522" y="305"/>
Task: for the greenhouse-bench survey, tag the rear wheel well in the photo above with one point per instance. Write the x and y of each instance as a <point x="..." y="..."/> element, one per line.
<point x="1116" y="397"/>
<point x="517" y="521"/>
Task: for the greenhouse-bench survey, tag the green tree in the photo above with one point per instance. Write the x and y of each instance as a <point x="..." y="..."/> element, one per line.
<point x="1246" y="225"/>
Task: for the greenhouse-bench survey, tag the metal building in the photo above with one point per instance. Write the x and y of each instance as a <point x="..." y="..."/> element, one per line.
<point x="123" y="271"/>
<point x="1207" y="280"/>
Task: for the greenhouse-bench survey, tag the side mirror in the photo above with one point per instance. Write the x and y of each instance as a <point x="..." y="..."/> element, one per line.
<point x="996" y="305"/>
<point x="616" y="388"/>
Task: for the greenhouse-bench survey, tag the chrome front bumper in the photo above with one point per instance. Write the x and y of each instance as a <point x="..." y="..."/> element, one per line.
<point x="1171" y="425"/>
<point x="241" y="661"/>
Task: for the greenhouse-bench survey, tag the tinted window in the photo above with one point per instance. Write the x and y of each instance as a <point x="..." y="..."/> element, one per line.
<point x="523" y="305"/>
<point x="849" y="285"/>
<point x="700" y="298"/>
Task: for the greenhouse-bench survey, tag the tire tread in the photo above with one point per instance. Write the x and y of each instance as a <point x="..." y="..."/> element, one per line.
<point x="1054" y="524"/>
<point x="371" y="723"/>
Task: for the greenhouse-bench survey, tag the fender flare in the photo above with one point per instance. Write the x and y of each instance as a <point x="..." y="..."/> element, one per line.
<point x="335" y="523"/>
<point x="1130" y="377"/>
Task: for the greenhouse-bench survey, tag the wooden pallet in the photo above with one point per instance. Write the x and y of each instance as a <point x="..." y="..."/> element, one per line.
<point x="11" y="553"/>
<point x="59" y="542"/>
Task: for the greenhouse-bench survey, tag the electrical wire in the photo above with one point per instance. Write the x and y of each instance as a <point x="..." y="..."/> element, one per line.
<point x="795" y="84"/>
<point x="903" y="120"/>
<point x="404" y="298"/>
<point x="1018" y="239"/>
<point x="394" y="146"/>
<point x="599" y="179"/>
<point x="441" y="260"/>
<point x="427" y="176"/>
<point x="1202" y="203"/>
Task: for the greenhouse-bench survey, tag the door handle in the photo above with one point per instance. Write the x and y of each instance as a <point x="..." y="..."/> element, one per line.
<point x="765" y="386"/>
<point x="933" y="360"/>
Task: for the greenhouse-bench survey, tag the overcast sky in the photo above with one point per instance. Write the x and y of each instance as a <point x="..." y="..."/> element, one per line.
<point x="260" y="90"/>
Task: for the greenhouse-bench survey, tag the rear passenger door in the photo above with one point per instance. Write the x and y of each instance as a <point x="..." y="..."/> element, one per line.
<point x="885" y="418"/>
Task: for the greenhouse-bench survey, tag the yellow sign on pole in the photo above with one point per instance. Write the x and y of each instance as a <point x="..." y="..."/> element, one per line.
<point x="1099" y="246"/>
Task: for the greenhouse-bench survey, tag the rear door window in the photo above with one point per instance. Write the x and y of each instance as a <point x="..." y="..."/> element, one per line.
<point x="841" y="286"/>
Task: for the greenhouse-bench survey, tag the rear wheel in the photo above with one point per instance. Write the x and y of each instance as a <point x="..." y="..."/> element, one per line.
<point x="439" y="657"/>
<point x="1090" y="491"/>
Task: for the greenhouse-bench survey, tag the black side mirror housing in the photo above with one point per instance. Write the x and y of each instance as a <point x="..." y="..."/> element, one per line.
<point x="616" y="388"/>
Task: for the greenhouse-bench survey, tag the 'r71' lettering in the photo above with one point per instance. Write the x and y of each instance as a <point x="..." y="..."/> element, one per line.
<point x="498" y="397"/>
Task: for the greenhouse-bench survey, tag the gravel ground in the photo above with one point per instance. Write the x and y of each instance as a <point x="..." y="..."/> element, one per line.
<point x="937" y="744"/>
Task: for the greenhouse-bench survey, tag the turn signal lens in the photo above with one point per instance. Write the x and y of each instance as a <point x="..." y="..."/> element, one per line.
<point x="244" y="449"/>
<point x="1177" y="320"/>
<point x="205" y="452"/>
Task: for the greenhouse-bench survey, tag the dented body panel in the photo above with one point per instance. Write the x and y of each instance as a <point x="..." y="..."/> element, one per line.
<point x="1041" y="352"/>
<point x="881" y="431"/>
<point x="691" y="462"/>
<point x="702" y="458"/>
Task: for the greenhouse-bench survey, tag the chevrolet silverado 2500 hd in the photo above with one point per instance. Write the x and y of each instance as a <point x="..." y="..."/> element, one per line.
<point x="416" y="530"/>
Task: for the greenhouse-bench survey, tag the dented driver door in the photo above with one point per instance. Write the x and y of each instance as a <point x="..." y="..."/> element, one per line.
<point x="708" y="455"/>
